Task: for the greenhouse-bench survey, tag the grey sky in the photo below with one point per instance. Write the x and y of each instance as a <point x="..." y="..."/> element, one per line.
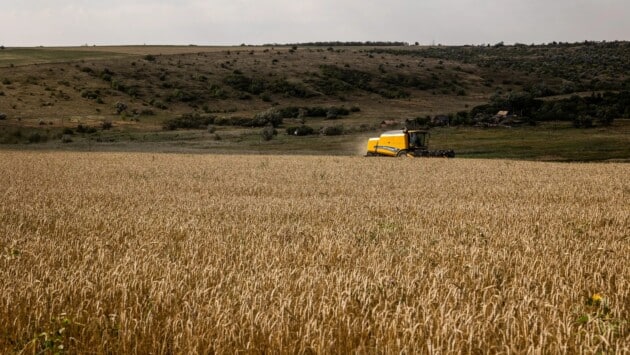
<point x="218" y="22"/>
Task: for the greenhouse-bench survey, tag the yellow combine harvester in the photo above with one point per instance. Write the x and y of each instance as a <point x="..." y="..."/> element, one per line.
<point x="403" y="142"/>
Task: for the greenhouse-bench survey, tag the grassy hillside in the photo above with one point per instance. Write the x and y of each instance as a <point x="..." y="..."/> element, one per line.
<point x="48" y="92"/>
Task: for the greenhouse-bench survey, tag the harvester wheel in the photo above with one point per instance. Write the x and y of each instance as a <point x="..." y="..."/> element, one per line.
<point x="401" y="153"/>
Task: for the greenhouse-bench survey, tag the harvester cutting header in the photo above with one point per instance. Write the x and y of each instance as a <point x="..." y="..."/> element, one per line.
<point x="403" y="142"/>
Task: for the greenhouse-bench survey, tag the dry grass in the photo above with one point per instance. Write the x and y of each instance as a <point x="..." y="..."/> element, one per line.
<point x="141" y="253"/>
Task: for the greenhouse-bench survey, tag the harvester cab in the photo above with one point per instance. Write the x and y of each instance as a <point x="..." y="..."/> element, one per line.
<point x="418" y="139"/>
<point x="398" y="143"/>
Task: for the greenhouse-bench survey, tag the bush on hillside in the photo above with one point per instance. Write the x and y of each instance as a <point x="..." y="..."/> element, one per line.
<point x="107" y="124"/>
<point x="300" y="130"/>
<point x="35" y="137"/>
<point x="271" y="116"/>
<point x="268" y="132"/>
<point x="315" y="111"/>
<point x="332" y="130"/>
<point x="85" y="129"/>
<point x="241" y="82"/>
<point x="188" y="121"/>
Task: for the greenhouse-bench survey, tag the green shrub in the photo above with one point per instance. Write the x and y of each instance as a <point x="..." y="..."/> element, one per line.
<point x="282" y="86"/>
<point x="223" y="121"/>
<point x="85" y="129"/>
<point x="10" y="136"/>
<point x="118" y="85"/>
<point x="158" y="104"/>
<point x="332" y="113"/>
<point x="300" y="130"/>
<point x="146" y="112"/>
<point x="418" y="122"/>
<point x="271" y="116"/>
<point x="316" y="111"/>
<point x="606" y="115"/>
<point x="393" y="93"/>
<point x="182" y="96"/>
<point x="583" y="121"/>
<point x="410" y="81"/>
<point x="313" y="111"/>
<point x="188" y="121"/>
<point x="265" y="97"/>
<point x="120" y="107"/>
<point x="91" y="94"/>
<point x="338" y="111"/>
<point x="461" y="118"/>
<point x="268" y="132"/>
<point x="243" y="83"/>
<point x="353" y="77"/>
<point x="333" y="130"/>
<point x="329" y="86"/>
<point x="247" y="122"/>
<point x="289" y="112"/>
<point x="107" y="124"/>
<point x="335" y="79"/>
<point x="216" y="92"/>
<point x="35" y="137"/>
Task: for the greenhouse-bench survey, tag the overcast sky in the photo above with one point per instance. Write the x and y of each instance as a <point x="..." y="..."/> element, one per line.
<point x="221" y="22"/>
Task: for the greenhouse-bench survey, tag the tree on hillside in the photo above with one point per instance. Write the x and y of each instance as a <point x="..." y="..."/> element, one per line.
<point x="521" y="103"/>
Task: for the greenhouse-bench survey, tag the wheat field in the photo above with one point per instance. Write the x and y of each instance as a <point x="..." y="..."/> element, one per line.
<point x="170" y="254"/>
